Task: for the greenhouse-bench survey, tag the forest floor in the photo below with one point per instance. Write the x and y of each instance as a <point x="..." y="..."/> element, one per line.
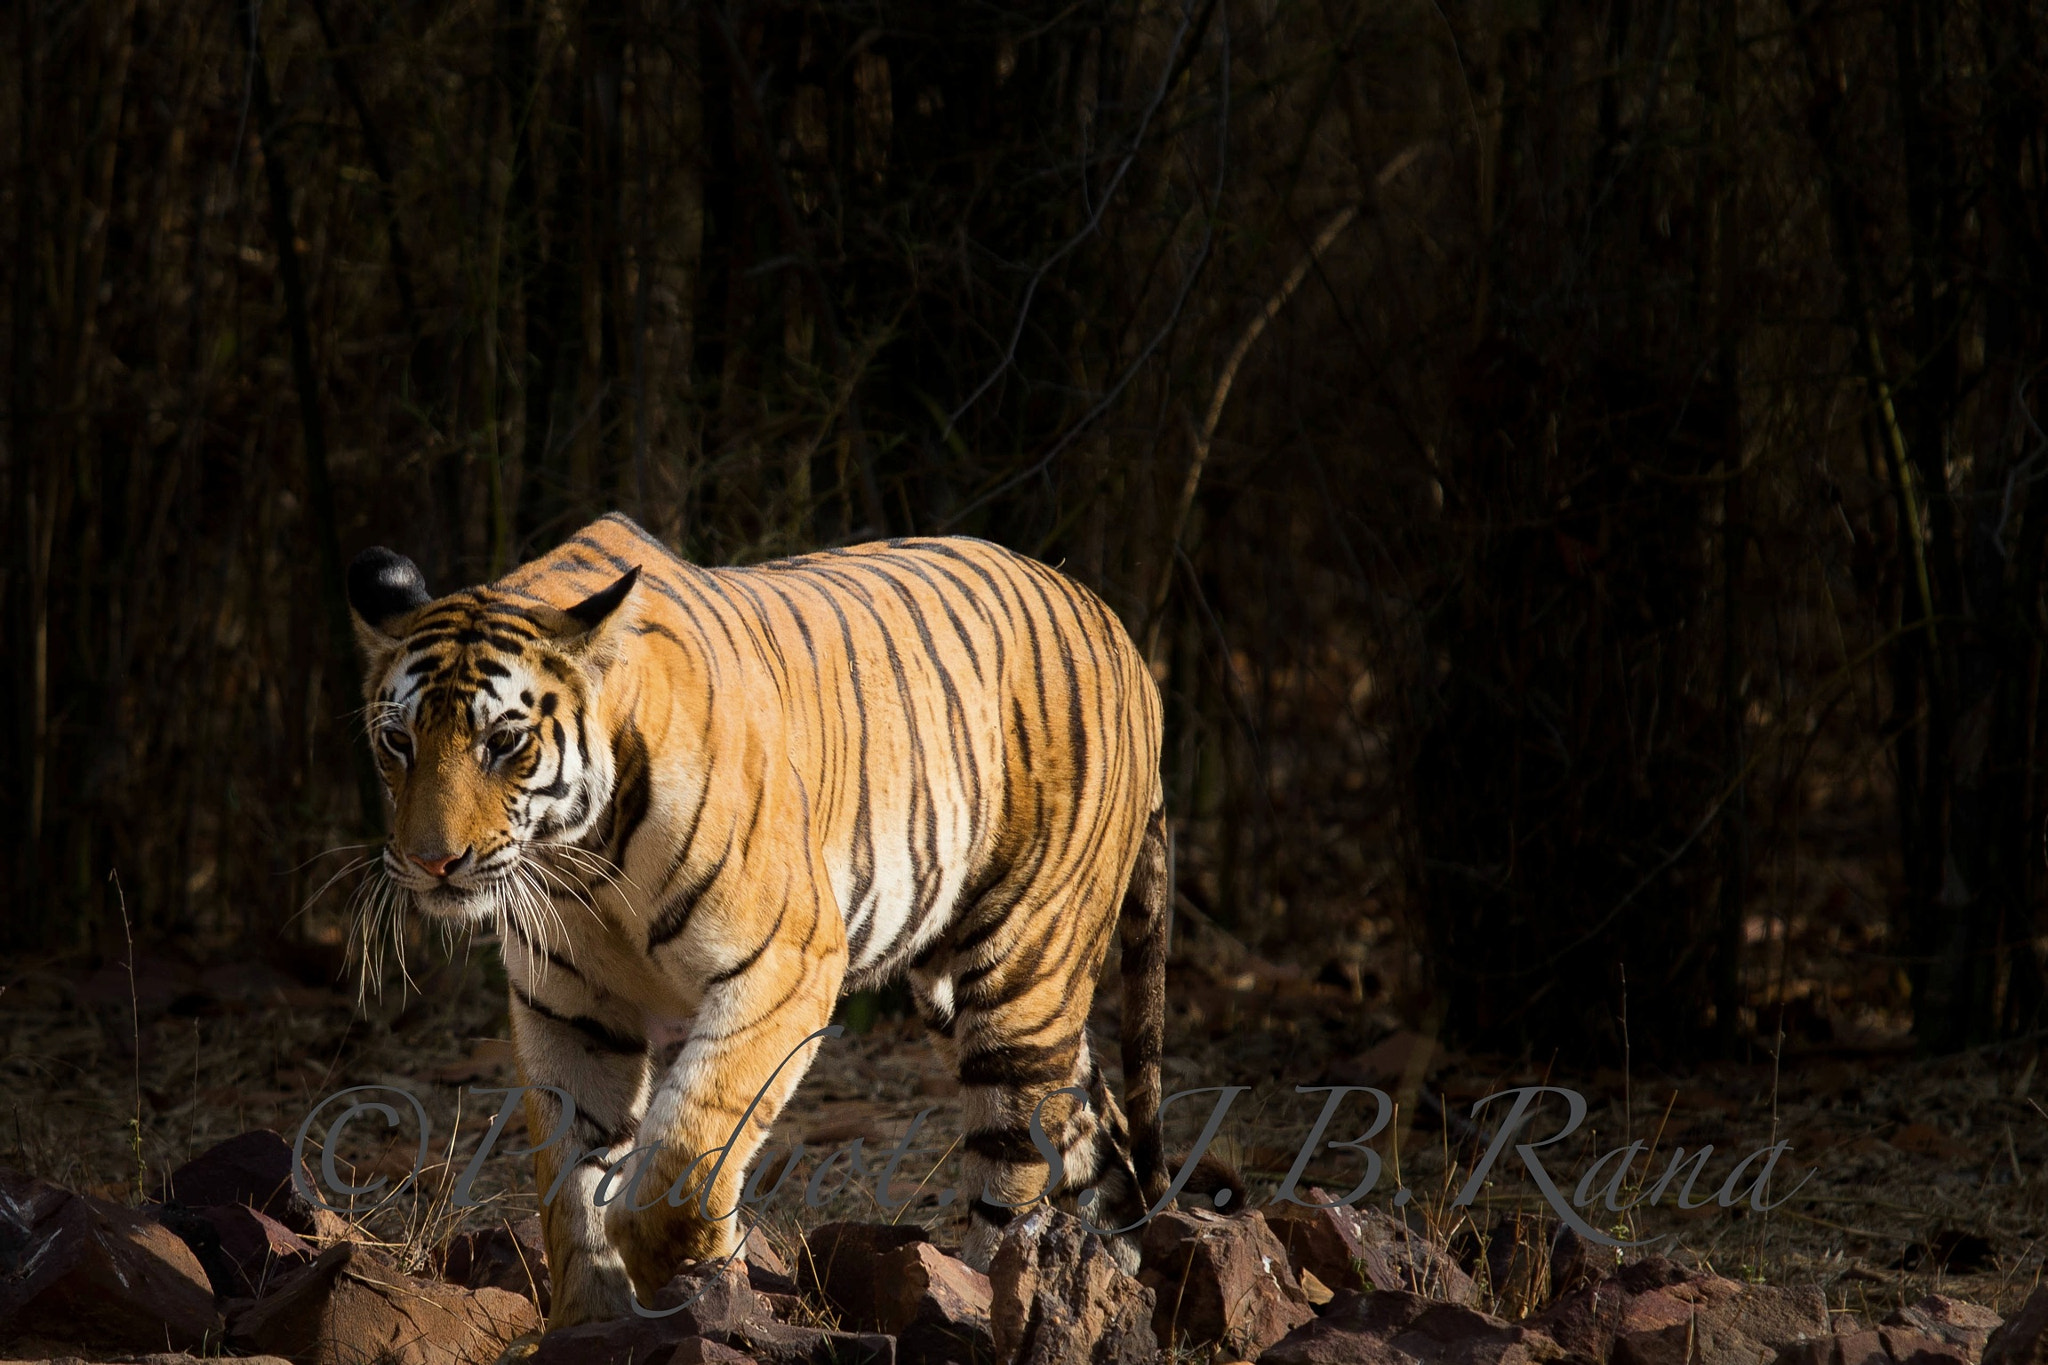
<point x="1925" y="1174"/>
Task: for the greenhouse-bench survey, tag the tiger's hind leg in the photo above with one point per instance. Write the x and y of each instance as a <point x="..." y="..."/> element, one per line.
<point x="1101" y="1182"/>
<point x="1017" y="1044"/>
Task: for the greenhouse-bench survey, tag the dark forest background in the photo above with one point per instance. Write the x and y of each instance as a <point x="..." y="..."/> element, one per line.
<point x="1578" y="466"/>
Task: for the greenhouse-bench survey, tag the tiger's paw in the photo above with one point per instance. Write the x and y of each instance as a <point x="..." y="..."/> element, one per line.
<point x="1124" y="1248"/>
<point x="591" y="1290"/>
<point x="519" y="1350"/>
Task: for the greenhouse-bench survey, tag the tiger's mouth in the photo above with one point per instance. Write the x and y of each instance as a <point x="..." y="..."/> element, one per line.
<point x="471" y="895"/>
<point x="455" y="902"/>
<point x="466" y="902"/>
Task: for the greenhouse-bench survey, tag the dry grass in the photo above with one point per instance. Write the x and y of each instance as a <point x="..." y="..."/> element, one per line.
<point x="1904" y="1151"/>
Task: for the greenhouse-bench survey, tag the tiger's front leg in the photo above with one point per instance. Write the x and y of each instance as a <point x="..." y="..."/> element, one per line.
<point x="750" y="1044"/>
<point x="591" y="1046"/>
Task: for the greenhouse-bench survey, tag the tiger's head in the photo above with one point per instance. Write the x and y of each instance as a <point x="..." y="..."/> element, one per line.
<point x="485" y="717"/>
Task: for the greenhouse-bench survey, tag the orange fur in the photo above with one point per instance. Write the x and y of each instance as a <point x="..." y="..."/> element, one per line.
<point x="739" y="793"/>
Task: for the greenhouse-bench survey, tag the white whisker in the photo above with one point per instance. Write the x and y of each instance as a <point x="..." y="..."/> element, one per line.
<point x="580" y="894"/>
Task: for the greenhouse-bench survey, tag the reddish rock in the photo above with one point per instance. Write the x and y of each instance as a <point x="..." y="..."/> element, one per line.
<point x="81" y="1269"/>
<point x="935" y="1306"/>
<point x="837" y="1263"/>
<point x="776" y="1343"/>
<point x="889" y="1278"/>
<point x="1058" y="1297"/>
<point x="255" y="1169"/>
<point x="779" y="1306"/>
<point x="1361" y="1248"/>
<point x="760" y="1255"/>
<point x="1775" y="1315"/>
<point x="719" y="1303"/>
<point x="703" y="1351"/>
<point x="1873" y="1346"/>
<point x="719" y="1297"/>
<point x="1644" y="1314"/>
<point x="1955" y="1321"/>
<point x="1708" y="1320"/>
<point x="243" y="1252"/>
<point x="351" y="1305"/>
<point x="2020" y="1339"/>
<point x="1220" y="1280"/>
<point x="1393" y="1327"/>
<point x="511" y="1256"/>
<point x="164" y="1358"/>
<point x="1576" y="1263"/>
<point x="771" y="1278"/>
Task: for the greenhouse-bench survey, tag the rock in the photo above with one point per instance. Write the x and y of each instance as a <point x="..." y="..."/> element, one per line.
<point x="838" y="1263"/>
<point x="770" y="1275"/>
<point x="889" y="1278"/>
<point x="511" y="1256"/>
<point x="170" y="1358"/>
<point x="1649" y="1311"/>
<point x="622" y="1341"/>
<point x="1575" y="1263"/>
<point x="1584" y="1321"/>
<point x="781" y="1307"/>
<point x="351" y="1305"/>
<point x="1220" y="1280"/>
<point x="1778" y="1316"/>
<point x="935" y="1306"/>
<point x="1846" y="1348"/>
<point x="1360" y="1248"/>
<point x="720" y="1303"/>
<point x="1873" y="1346"/>
<point x="776" y="1343"/>
<point x="253" y="1169"/>
<point x="760" y="1255"/>
<point x="704" y="1351"/>
<point x="720" y="1298"/>
<point x="243" y="1251"/>
<point x="2020" y="1339"/>
<point x="1707" y="1320"/>
<point x="1960" y="1323"/>
<point x="1058" y="1296"/>
<point x="1394" y="1327"/>
<point x="84" y="1270"/>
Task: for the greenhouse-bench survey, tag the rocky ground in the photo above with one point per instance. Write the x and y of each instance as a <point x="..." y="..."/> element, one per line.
<point x="234" y="1259"/>
<point x="1925" y="1179"/>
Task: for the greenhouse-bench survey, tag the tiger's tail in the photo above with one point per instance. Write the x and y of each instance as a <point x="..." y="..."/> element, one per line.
<point x="1144" y="927"/>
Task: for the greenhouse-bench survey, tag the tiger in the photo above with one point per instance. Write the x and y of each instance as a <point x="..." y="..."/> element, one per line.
<point x="735" y="795"/>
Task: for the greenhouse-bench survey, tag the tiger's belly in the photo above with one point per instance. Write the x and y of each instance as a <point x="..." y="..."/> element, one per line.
<point x="909" y="799"/>
<point x="896" y="915"/>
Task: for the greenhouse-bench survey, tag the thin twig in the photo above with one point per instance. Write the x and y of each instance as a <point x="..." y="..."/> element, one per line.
<point x="135" y="1013"/>
<point x="1201" y="437"/>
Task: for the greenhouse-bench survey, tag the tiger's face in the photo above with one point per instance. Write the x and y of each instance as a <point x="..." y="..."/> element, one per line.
<point x="481" y="716"/>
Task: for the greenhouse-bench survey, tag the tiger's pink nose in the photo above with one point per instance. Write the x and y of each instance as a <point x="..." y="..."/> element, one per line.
<point x="438" y="866"/>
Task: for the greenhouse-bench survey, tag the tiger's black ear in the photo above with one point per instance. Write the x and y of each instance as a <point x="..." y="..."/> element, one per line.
<point x="383" y="586"/>
<point x="592" y="610"/>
